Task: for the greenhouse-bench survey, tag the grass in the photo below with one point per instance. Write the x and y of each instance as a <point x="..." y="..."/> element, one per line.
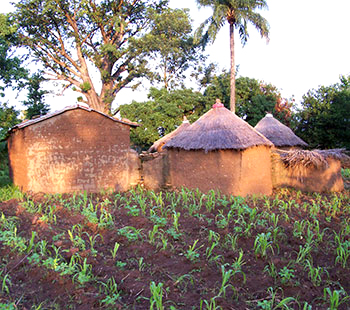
<point x="345" y="173"/>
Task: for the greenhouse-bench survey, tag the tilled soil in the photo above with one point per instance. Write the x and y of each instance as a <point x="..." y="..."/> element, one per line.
<point x="181" y="257"/>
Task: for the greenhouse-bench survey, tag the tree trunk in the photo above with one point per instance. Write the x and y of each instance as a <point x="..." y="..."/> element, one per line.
<point x="233" y="70"/>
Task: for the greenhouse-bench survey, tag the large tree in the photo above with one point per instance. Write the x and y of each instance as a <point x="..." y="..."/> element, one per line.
<point x="324" y="119"/>
<point x="238" y="14"/>
<point x="96" y="47"/>
<point x="172" y="47"/>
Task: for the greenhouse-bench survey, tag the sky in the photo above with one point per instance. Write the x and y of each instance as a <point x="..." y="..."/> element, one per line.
<point x="308" y="47"/>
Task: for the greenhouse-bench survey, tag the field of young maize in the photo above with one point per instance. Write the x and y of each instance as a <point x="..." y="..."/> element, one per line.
<point x="174" y="250"/>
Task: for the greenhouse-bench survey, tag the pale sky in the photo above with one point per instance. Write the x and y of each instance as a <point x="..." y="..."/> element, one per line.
<point x="309" y="46"/>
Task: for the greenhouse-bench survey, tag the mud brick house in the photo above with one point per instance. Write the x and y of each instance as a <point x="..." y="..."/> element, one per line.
<point x="220" y="151"/>
<point x="74" y="149"/>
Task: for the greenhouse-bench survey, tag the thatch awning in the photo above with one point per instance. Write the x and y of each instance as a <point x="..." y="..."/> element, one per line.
<point x="158" y="145"/>
<point x="279" y="134"/>
<point x="317" y="158"/>
<point x="218" y="129"/>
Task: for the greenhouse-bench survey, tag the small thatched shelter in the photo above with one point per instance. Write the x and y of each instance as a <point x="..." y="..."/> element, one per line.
<point x="310" y="171"/>
<point x="220" y="151"/>
<point x="158" y="145"/>
<point x="279" y="134"/>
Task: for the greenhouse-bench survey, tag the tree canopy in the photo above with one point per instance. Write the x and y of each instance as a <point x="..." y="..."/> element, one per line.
<point x="162" y="113"/>
<point x="11" y="70"/>
<point x="165" y="109"/>
<point x="324" y="118"/>
<point x="172" y="47"/>
<point x="254" y="98"/>
<point x="100" y="47"/>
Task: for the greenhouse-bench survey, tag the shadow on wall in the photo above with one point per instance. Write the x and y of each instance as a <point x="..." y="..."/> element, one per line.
<point x="73" y="151"/>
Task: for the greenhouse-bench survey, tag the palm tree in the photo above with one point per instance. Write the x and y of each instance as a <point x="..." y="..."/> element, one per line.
<point x="238" y="13"/>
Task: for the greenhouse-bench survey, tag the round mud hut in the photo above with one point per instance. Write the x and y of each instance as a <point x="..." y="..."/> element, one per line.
<point x="158" y="145"/>
<point x="279" y="134"/>
<point x="221" y="152"/>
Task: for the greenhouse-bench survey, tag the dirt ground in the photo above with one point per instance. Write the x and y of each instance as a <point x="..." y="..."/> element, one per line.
<point x="178" y="255"/>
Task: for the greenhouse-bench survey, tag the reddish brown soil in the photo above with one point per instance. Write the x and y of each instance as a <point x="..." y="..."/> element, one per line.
<point x="34" y="284"/>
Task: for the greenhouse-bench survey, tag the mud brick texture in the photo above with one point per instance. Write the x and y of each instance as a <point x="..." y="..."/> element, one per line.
<point x="73" y="151"/>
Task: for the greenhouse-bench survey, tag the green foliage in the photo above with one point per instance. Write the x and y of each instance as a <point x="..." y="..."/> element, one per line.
<point x="172" y="47"/>
<point x="237" y="13"/>
<point x="35" y="102"/>
<point x="11" y="70"/>
<point x="75" y="39"/>
<point x="254" y="98"/>
<point x="324" y="120"/>
<point x="8" y="118"/>
<point x="162" y="113"/>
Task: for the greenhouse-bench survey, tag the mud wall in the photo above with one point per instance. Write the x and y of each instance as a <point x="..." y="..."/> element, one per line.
<point x="74" y="151"/>
<point x="155" y="172"/>
<point x="239" y="173"/>
<point x="308" y="179"/>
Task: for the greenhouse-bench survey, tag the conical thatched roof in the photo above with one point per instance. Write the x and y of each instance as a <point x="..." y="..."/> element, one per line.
<point x="279" y="134"/>
<point x="158" y="145"/>
<point x="218" y="129"/>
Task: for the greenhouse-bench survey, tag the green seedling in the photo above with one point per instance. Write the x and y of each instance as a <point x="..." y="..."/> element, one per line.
<point x="334" y="298"/>
<point x="110" y="289"/>
<point x="304" y="253"/>
<point x="31" y="243"/>
<point x="209" y="250"/>
<point x="92" y="241"/>
<point x="131" y="233"/>
<point x="299" y="228"/>
<point x="226" y="276"/>
<point x="192" y="253"/>
<point x="342" y="251"/>
<point x="156" y="300"/>
<point x="262" y="244"/>
<point x="238" y="264"/>
<point x="105" y="220"/>
<point x="176" y="216"/>
<point x="213" y="236"/>
<point x="286" y="275"/>
<point x="209" y="305"/>
<point x="314" y="273"/>
<point x="271" y="270"/>
<point x="115" y="250"/>
<point x="153" y="233"/>
<point x="133" y="210"/>
<point x="85" y="273"/>
<point x="5" y="283"/>
<point x="141" y="264"/>
<point x="273" y="302"/>
<point x="231" y="241"/>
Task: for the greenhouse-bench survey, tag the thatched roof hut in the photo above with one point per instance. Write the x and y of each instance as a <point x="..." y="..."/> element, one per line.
<point x="220" y="151"/>
<point x="279" y="134"/>
<point x="218" y="129"/>
<point x="158" y="145"/>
